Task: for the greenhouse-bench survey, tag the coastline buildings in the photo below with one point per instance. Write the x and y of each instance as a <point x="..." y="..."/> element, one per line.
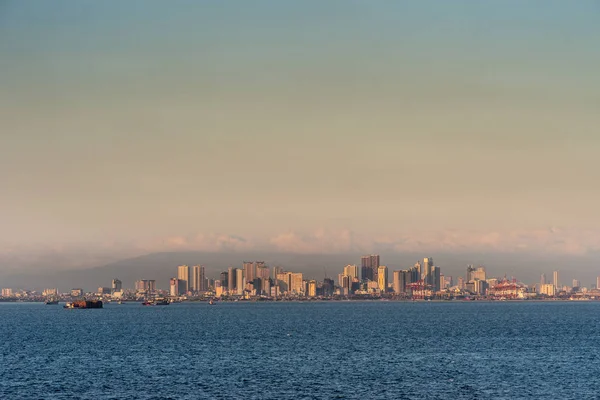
<point x="556" y="282"/>
<point x="382" y="278"/>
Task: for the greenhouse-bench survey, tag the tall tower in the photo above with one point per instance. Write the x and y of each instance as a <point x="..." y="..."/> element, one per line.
<point x="368" y="266"/>
<point x="198" y="279"/>
<point x="249" y="270"/>
<point x="470" y="271"/>
<point x="542" y="280"/>
<point x="116" y="285"/>
<point x="382" y="278"/>
<point x="427" y="266"/>
<point x="231" y="280"/>
<point x="183" y="273"/>
<point x="556" y="283"/>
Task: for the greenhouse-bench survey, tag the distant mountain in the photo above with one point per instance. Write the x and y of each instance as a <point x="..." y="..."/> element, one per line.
<point x="162" y="266"/>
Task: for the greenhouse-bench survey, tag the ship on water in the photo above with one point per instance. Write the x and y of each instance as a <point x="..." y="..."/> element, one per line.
<point x="51" y="302"/>
<point x="84" y="304"/>
<point x="156" y="302"/>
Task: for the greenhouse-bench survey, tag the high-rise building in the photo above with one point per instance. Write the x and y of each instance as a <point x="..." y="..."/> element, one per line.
<point x="369" y="265"/>
<point x="399" y="282"/>
<point x="543" y="280"/>
<point x="312" y="288"/>
<point x="249" y="270"/>
<point x="262" y="271"/>
<point x="183" y="274"/>
<point x="461" y="283"/>
<point x="470" y="271"/>
<point x="556" y="282"/>
<point x="116" y="285"/>
<point x="198" y="279"/>
<point x="145" y="286"/>
<point x="598" y="282"/>
<point x="240" y="281"/>
<point x="479" y="274"/>
<point x="351" y="271"/>
<point x="328" y="287"/>
<point x="548" y="290"/>
<point x="382" y="278"/>
<point x="576" y="283"/>
<point x="435" y="279"/>
<point x="277" y="271"/>
<point x="76" y="292"/>
<point x="296" y="283"/>
<point x="7" y="292"/>
<point x="224" y="280"/>
<point x="427" y="268"/>
<point x="231" y="280"/>
<point x="177" y="287"/>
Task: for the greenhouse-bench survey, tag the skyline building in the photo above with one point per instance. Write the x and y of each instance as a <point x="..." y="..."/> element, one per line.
<point x="312" y="288"/>
<point x="351" y="271"/>
<point x="231" y="279"/>
<point x="198" y="279"/>
<point x="470" y="271"/>
<point x="183" y="274"/>
<point x="382" y="278"/>
<point x="240" y="281"/>
<point x="369" y="265"/>
<point x="117" y="285"/>
<point x="555" y="281"/>
<point x="296" y="285"/>
<point x="249" y="270"/>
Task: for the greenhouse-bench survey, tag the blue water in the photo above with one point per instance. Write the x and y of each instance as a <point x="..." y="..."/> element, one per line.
<point x="344" y="350"/>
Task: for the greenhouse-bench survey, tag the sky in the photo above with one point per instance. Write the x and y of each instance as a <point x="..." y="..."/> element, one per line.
<point x="308" y="126"/>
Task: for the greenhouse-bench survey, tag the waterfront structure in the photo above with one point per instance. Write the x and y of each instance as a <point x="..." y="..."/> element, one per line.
<point x="382" y="278"/>
<point x="399" y="282"/>
<point x="7" y="292"/>
<point x="548" y="289"/>
<point x="177" y="287"/>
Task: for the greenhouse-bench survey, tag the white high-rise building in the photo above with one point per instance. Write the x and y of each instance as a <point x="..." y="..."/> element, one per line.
<point x="198" y="279"/>
<point x="556" y="282"/>
<point x="183" y="274"/>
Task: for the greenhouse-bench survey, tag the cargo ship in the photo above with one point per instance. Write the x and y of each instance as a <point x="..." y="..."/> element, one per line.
<point x="84" y="304"/>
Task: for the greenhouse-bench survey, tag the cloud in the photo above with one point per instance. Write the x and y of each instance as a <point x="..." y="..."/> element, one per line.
<point x="213" y="242"/>
<point x="319" y="241"/>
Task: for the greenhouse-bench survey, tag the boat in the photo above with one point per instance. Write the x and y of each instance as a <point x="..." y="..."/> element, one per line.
<point x="156" y="302"/>
<point x="84" y="304"/>
<point x="50" y="302"/>
<point x="211" y="302"/>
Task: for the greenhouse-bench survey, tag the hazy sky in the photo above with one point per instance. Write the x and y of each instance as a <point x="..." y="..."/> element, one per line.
<point x="300" y="125"/>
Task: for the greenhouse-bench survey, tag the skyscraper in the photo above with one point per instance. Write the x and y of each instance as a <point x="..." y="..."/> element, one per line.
<point x="296" y="283"/>
<point x="116" y="285"/>
<point x="231" y="280"/>
<point x="556" y="283"/>
<point x="382" y="278"/>
<point x="198" y="279"/>
<point x="399" y="282"/>
<point x="435" y="279"/>
<point x="369" y="265"/>
<point x="542" y="279"/>
<point x="183" y="274"/>
<point x="351" y="271"/>
<point x="240" y="281"/>
<point x="598" y="282"/>
<point x="249" y="270"/>
<point x="470" y="271"/>
<point x="427" y="267"/>
<point x="312" y="288"/>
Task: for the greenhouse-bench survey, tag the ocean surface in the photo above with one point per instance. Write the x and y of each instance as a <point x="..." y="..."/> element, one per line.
<point x="320" y="350"/>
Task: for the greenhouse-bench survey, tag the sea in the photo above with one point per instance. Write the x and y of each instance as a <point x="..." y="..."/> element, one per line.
<point x="302" y="350"/>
